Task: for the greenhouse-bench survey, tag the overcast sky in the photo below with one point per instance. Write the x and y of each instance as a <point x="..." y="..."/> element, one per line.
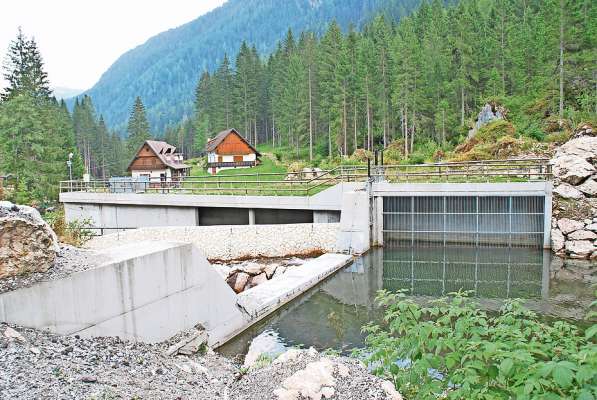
<point x="80" y="39"/>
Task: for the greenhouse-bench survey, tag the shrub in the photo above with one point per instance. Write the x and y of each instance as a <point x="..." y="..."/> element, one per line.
<point x="75" y="233"/>
<point x="452" y="349"/>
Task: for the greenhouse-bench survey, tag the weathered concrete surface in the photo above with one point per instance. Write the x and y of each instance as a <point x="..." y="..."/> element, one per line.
<point x="354" y="235"/>
<point x="132" y="210"/>
<point x="267" y="297"/>
<point x="146" y="291"/>
<point x="235" y="241"/>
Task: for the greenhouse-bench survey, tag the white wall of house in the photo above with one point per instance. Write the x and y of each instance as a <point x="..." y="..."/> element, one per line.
<point x="154" y="175"/>
<point x="214" y="157"/>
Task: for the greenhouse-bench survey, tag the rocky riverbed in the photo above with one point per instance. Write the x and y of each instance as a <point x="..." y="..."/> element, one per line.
<point x="39" y="365"/>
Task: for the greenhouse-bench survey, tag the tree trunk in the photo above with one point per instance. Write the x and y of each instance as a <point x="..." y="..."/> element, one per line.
<point x="462" y="105"/>
<point x="355" y="123"/>
<point x="310" y="117"/>
<point x="561" y="111"/>
<point x="344" y="123"/>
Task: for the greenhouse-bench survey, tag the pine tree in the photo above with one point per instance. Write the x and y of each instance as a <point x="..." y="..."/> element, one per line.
<point x="138" y="127"/>
<point x="24" y="69"/>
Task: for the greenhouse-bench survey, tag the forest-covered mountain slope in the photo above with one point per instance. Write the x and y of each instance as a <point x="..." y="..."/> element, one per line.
<point x="164" y="70"/>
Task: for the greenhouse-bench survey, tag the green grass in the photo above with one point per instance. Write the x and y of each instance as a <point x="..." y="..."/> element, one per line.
<point x="267" y="166"/>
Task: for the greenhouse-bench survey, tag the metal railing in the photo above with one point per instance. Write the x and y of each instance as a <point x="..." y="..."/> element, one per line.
<point x="309" y="183"/>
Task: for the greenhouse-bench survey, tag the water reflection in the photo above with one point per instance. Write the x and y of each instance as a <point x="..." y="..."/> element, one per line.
<point x="332" y="314"/>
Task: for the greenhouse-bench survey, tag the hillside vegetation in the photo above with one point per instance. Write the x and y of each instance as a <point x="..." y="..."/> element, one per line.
<point x="412" y="86"/>
<point x="164" y="70"/>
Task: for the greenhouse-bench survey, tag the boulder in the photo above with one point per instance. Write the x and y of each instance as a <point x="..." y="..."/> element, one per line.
<point x="270" y="270"/>
<point x="589" y="187"/>
<point x="567" y="191"/>
<point x="579" y="248"/>
<point x="27" y="243"/>
<point x="583" y="147"/>
<point x="251" y="268"/>
<point x="582" y="235"/>
<point x="592" y="227"/>
<point x="238" y="281"/>
<point x="256" y="280"/>
<point x="557" y="240"/>
<point x="567" y="225"/>
<point x="572" y="169"/>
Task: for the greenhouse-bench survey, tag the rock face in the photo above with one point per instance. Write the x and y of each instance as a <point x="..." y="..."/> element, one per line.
<point x="27" y="243"/>
<point x="575" y="195"/>
<point x="489" y="112"/>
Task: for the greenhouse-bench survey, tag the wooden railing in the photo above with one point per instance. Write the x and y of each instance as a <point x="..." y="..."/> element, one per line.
<point x="309" y="183"/>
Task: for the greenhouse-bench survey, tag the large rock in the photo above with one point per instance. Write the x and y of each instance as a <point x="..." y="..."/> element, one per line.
<point x="567" y="225"/>
<point x="567" y="191"/>
<point x="27" y="243"/>
<point x="572" y="169"/>
<point x="589" y="187"/>
<point x="557" y="240"/>
<point x="583" y="147"/>
<point x="238" y="281"/>
<point x="579" y="248"/>
<point x="582" y="235"/>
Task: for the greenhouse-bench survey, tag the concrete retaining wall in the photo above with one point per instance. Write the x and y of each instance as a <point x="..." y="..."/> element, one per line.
<point x="238" y="241"/>
<point x="146" y="291"/>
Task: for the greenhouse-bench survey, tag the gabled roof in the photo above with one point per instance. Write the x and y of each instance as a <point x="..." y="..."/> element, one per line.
<point x="164" y="152"/>
<point x="215" y="142"/>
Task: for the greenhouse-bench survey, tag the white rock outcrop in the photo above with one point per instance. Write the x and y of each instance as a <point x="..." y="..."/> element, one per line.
<point x="27" y="243"/>
<point x="575" y="196"/>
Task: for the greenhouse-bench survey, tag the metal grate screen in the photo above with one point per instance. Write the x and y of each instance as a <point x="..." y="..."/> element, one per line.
<point x="463" y="221"/>
<point x="509" y="273"/>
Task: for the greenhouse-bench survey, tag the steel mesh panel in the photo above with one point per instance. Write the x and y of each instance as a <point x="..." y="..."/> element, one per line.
<point x="486" y="221"/>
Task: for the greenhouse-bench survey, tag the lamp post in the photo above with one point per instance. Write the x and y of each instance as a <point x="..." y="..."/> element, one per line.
<point x="69" y="163"/>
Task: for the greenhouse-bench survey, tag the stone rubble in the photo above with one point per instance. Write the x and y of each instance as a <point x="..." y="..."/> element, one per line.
<point x="68" y="260"/>
<point x="41" y="365"/>
<point x="574" y="213"/>
<point x="244" y="275"/>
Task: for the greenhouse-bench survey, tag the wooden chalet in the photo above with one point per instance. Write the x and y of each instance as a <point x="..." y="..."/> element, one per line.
<point x="158" y="162"/>
<point x="230" y="150"/>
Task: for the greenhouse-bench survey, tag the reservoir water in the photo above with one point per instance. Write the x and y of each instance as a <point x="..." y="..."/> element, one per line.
<point x="330" y="316"/>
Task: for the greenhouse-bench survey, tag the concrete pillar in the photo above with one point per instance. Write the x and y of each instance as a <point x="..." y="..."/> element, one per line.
<point x="355" y="235"/>
<point x="547" y="212"/>
<point x="251" y="216"/>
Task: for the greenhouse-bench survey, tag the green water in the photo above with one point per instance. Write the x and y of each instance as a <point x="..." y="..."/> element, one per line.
<point x="331" y="315"/>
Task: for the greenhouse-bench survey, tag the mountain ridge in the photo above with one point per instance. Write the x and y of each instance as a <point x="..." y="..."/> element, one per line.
<point x="164" y="70"/>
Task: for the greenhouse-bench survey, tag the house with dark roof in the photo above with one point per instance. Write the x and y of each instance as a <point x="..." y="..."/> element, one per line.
<point x="230" y="150"/>
<point x="158" y="162"/>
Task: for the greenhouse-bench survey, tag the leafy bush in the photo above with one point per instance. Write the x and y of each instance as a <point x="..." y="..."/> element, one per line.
<point x="75" y="233"/>
<point x="451" y="349"/>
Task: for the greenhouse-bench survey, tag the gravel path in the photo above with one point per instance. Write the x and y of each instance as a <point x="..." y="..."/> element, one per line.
<point x="39" y="365"/>
<point x="69" y="260"/>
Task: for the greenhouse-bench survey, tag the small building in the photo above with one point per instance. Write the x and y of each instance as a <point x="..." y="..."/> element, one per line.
<point x="230" y="150"/>
<point x="158" y="162"/>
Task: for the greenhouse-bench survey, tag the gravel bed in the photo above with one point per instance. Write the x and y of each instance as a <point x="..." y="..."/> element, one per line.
<point x="48" y="366"/>
<point x="69" y="260"/>
<point x="40" y="365"/>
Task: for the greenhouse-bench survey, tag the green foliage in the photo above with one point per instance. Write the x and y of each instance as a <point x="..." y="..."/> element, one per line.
<point x="138" y="128"/>
<point x="164" y="70"/>
<point x="399" y="83"/>
<point x="75" y="232"/>
<point x="452" y="349"/>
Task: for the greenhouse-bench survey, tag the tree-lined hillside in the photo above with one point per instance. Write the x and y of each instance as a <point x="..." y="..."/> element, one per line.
<point x="420" y="80"/>
<point x="163" y="71"/>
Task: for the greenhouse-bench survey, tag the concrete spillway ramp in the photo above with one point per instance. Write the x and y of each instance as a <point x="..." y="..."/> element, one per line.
<point x="150" y="291"/>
